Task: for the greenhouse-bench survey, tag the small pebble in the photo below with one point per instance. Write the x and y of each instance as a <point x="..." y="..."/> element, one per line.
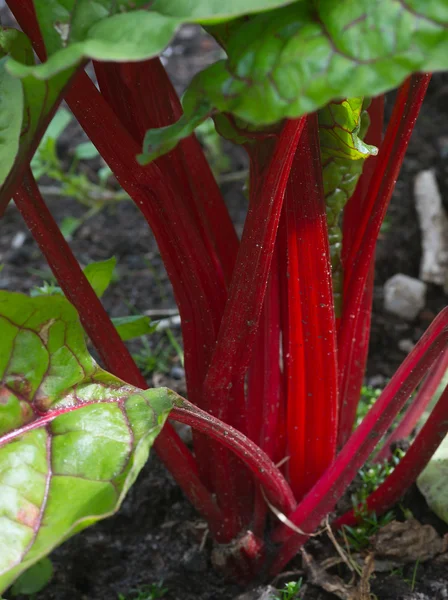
<point x="18" y="240"/>
<point x="406" y="345"/>
<point x="404" y="296"/>
<point x="177" y="373"/>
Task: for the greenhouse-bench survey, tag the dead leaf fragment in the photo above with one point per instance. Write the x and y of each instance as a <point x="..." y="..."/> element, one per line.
<point x="330" y="583"/>
<point x="363" y="590"/>
<point x="408" y="542"/>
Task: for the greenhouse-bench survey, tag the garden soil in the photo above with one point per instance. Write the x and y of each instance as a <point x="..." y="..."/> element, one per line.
<point x="157" y="536"/>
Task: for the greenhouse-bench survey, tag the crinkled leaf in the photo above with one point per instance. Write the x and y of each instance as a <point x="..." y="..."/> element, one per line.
<point x="294" y="60"/>
<point x="433" y="481"/>
<point x="133" y="326"/>
<point x="39" y="100"/>
<point x="72" y="437"/>
<point x="11" y="115"/>
<point x="341" y="128"/>
<point x="100" y="274"/>
<point x="34" y="579"/>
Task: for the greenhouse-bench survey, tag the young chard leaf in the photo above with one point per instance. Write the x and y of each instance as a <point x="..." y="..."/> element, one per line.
<point x="295" y="59"/>
<point x="341" y="128"/>
<point x="100" y="274"/>
<point x="133" y="326"/>
<point x="72" y="437"/>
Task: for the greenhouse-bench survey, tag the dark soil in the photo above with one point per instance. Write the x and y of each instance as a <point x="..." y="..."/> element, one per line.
<point x="157" y="535"/>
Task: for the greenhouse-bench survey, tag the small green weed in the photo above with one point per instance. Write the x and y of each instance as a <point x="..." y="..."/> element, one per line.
<point x="399" y="572"/>
<point x="359" y="537"/>
<point x="372" y="476"/>
<point x="290" y="590"/>
<point x="73" y="182"/>
<point x="158" y="359"/>
<point x="368" y="398"/>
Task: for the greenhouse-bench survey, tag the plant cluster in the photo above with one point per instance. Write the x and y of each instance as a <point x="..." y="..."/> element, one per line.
<point x="275" y="325"/>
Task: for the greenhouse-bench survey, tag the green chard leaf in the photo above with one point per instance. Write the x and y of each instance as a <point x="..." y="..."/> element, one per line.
<point x="341" y="128"/>
<point x="295" y="59"/>
<point x="73" y="437"/>
<point x="99" y="274"/>
<point x="127" y="30"/>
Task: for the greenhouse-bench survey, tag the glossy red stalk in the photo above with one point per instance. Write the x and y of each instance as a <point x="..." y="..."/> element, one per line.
<point x="410" y="466"/>
<point x="198" y="292"/>
<point x="310" y="353"/>
<point x="142" y="97"/>
<point x="264" y="379"/>
<point x="321" y="500"/>
<point x="360" y="257"/>
<point x="224" y="383"/>
<point x="243" y="309"/>
<point x="264" y="385"/>
<point x="105" y="338"/>
<point x="415" y="411"/>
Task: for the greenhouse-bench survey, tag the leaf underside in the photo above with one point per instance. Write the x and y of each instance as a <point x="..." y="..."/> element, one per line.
<point x="72" y="437"/>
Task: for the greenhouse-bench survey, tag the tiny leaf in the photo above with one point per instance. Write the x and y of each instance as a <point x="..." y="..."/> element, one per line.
<point x="34" y="579"/>
<point x="86" y="151"/>
<point x="133" y="326"/>
<point x="100" y="274"/>
<point x="69" y="225"/>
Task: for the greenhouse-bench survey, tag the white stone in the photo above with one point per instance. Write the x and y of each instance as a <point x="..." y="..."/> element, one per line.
<point x="404" y="296"/>
<point x="434" y="227"/>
